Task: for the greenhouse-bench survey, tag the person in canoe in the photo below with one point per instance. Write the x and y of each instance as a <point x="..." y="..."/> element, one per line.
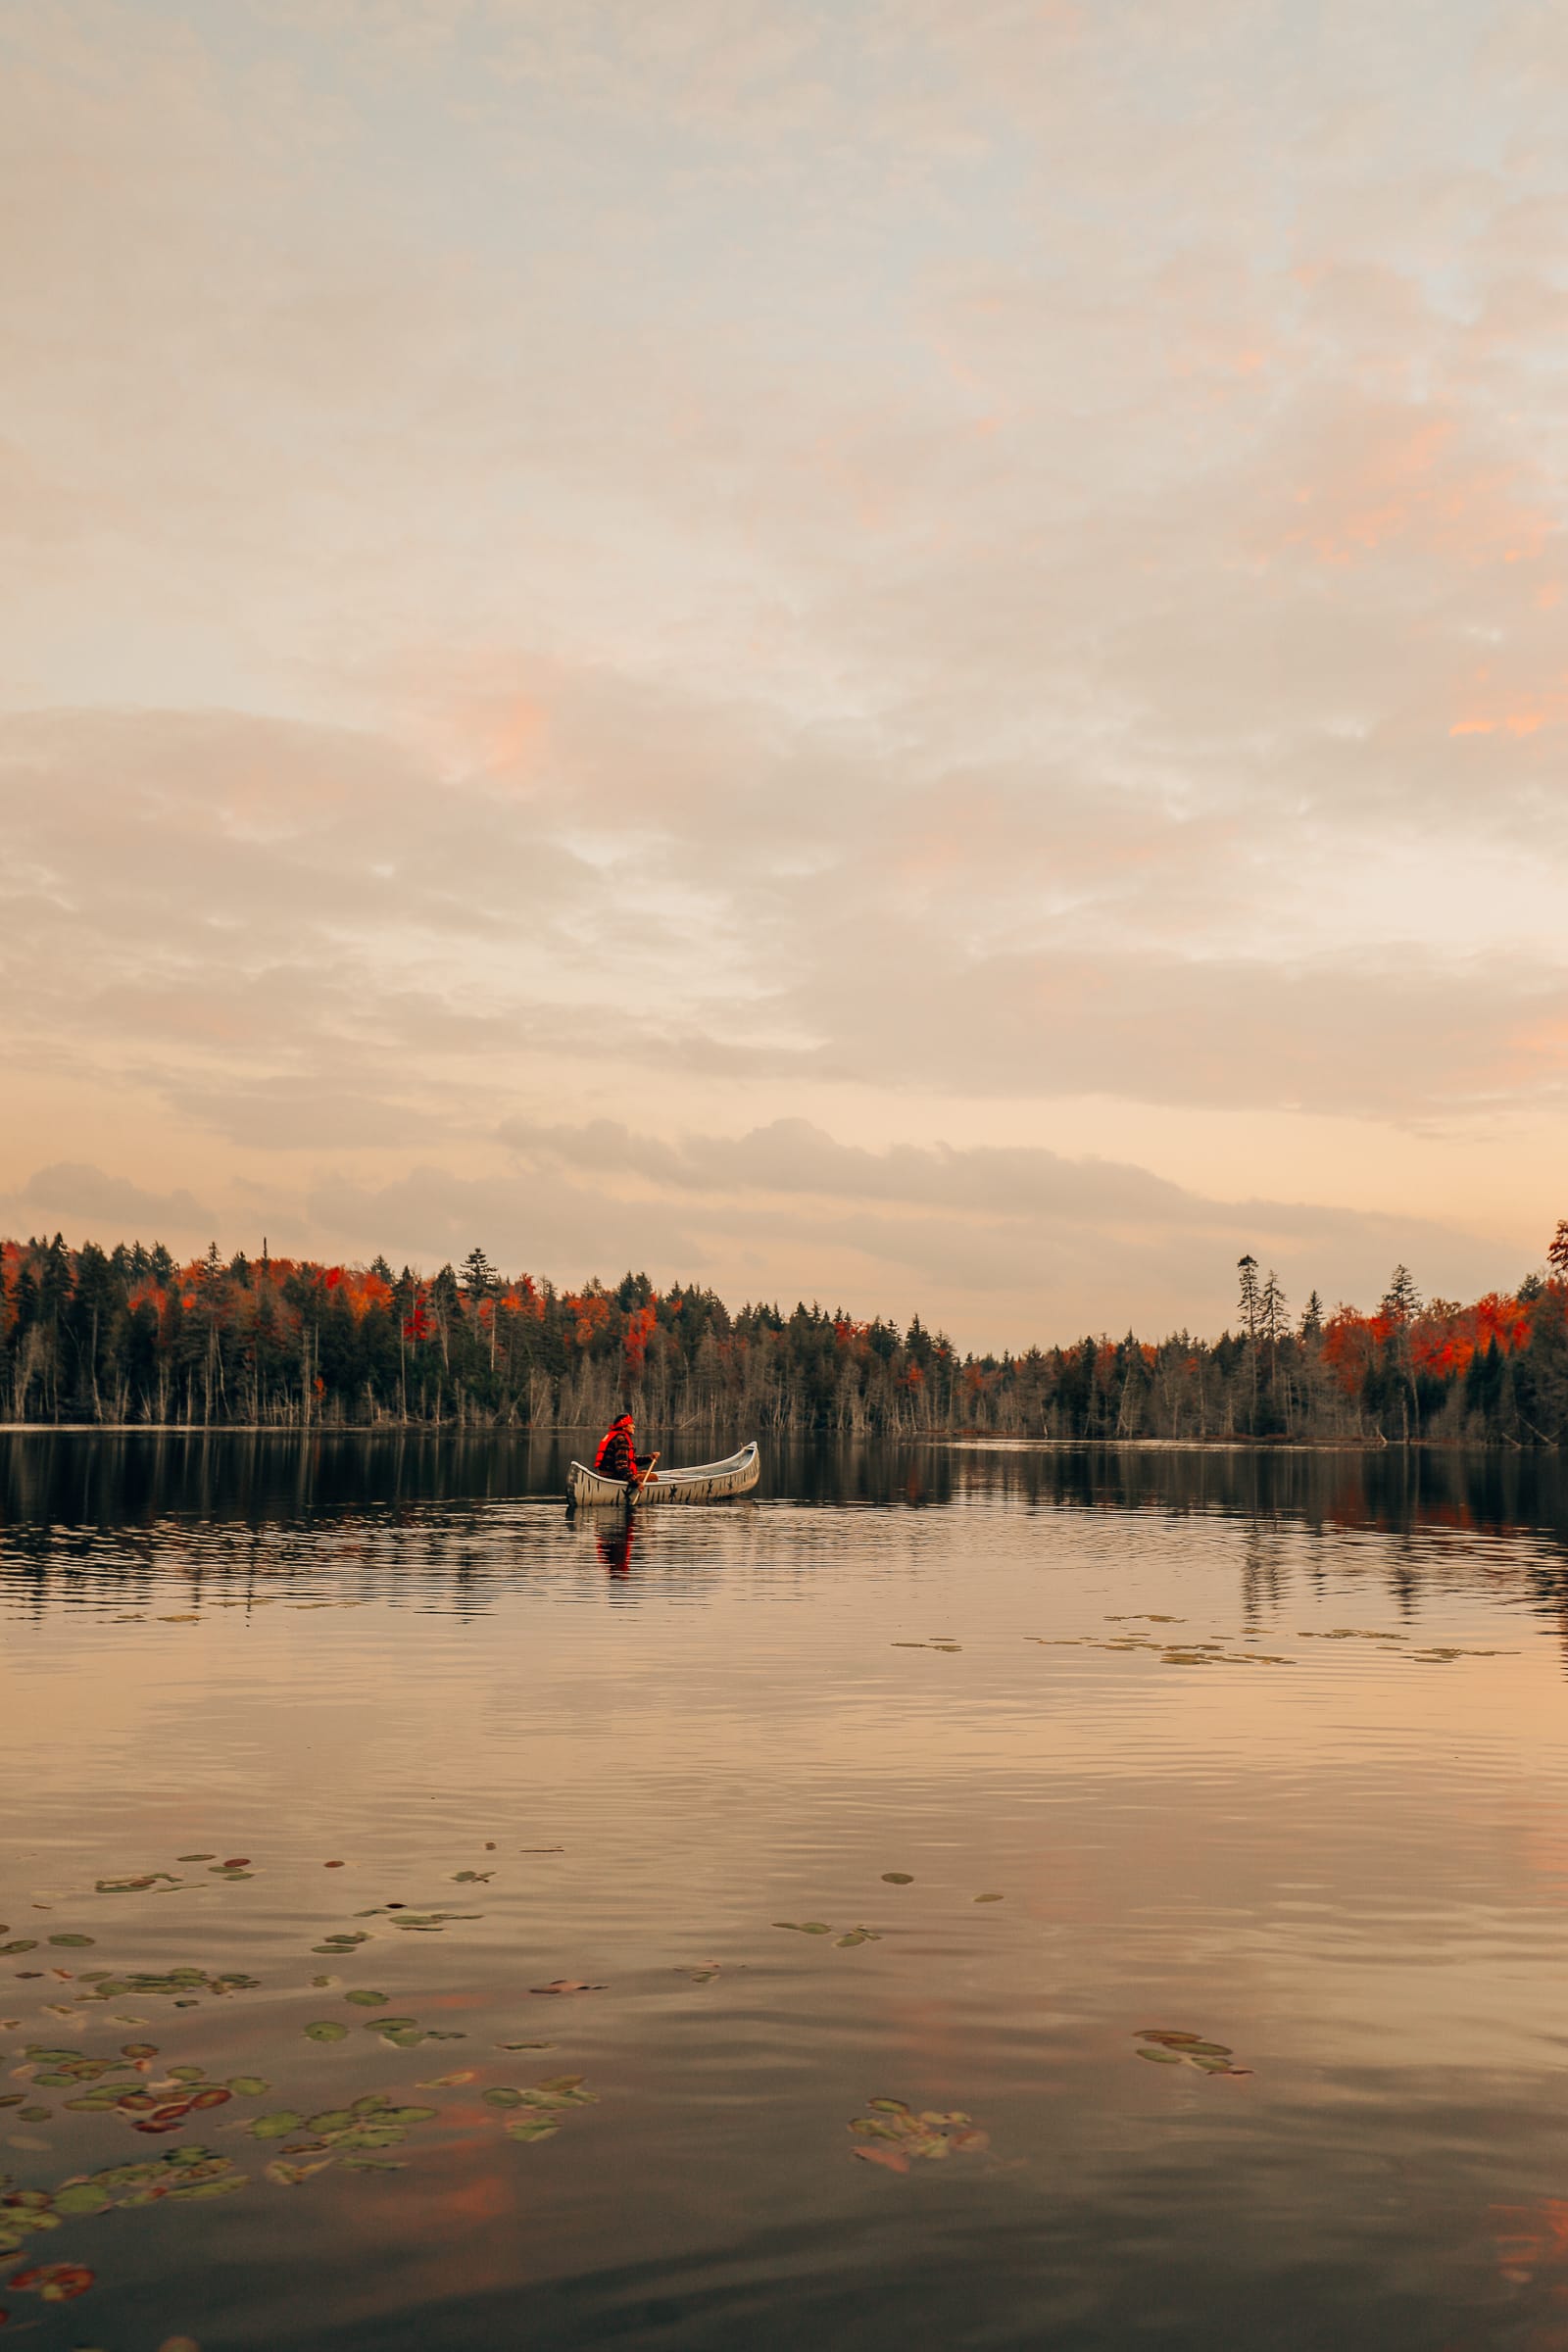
<point x="616" y="1458"/>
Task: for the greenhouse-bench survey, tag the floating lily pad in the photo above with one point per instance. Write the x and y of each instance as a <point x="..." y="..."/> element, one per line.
<point x="805" y="1927"/>
<point x="248" y="2086"/>
<point x="327" y="2029"/>
<point x="362" y="1998"/>
<point x="277" y="2126"/>
<point x="1167" y="2045"/>
<point x="572" y="1984"/>
<point x="931" y="2136"/>
<point x="531" y="2127"/>
<point x="898" y="1877"/>
<point x="55" y="2281"/>
<point x="989" y="1898"/>
<point x="503" y="2095"/>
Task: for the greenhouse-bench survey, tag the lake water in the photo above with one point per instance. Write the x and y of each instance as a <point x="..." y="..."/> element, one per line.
<point x="1042" y="1756"/>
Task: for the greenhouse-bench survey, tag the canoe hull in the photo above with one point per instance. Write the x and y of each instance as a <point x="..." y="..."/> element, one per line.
<point x="709" y="1481"/>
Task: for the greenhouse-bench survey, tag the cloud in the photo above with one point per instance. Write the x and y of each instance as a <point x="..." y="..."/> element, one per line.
<point x="1006" y="552"/>
<point x="1006" y="1247"/>
<point x="106" y="1208"/>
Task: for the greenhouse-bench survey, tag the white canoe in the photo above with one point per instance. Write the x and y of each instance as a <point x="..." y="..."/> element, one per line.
<point x="709" y="1481"/>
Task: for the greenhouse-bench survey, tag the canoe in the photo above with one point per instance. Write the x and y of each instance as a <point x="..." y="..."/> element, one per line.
<point x="709" y="1481"/>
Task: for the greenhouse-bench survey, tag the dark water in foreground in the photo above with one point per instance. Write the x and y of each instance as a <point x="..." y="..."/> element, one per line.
<point x="1266" y="1750"/>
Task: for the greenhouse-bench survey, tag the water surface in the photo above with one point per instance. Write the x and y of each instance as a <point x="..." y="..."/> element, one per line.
<point x="1263" y="1749"/>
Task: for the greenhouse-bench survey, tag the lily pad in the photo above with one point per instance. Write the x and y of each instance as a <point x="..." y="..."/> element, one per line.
<point x="362" y="1998"/>
<point x="55" y="2281"/>
<point x="503" y="2095"/>
<point x="989" y="1898"/>
<point x="573" y="1984"/>
<point x="898" y="1877"/>
<point x="275" y="2126"/>
<point x="327" y="2029"/>
<point x="932" y="2136"/>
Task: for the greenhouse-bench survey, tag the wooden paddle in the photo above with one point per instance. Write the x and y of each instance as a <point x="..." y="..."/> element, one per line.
<point x="641" y="1477"/>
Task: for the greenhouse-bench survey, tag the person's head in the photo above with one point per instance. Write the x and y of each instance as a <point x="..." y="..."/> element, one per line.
<point x="624" y="1421"/>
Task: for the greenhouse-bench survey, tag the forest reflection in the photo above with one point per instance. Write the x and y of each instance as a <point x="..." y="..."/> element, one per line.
<point x="105" y="1517"/>
<point x="62" y="1480"/>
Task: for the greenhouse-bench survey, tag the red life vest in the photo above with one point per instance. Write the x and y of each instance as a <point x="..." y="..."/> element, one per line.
<point x="615" y="1458"/>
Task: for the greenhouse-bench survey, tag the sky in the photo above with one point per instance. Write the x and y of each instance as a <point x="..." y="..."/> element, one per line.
<point x="905" y="652"/>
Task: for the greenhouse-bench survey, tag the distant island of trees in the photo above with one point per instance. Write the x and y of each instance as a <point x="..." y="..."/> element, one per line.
<point x="125" y="1336"/>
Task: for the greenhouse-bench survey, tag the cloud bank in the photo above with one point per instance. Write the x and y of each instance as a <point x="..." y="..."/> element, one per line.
<point x="781" y="573"/>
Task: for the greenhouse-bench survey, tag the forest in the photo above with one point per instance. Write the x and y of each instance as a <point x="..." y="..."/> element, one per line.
<point x="126" y="1337"/>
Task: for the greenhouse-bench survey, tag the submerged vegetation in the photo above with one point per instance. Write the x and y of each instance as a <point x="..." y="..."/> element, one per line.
<point x="128" y="1337"/>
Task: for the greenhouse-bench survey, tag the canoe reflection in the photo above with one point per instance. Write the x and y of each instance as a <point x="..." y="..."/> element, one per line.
<point x="614" y="1545"/>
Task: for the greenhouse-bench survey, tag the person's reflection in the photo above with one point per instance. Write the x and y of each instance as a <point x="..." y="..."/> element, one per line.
<point x="614" y="1545"/>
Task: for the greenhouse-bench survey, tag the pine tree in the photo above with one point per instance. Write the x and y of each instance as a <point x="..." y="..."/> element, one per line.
<point x="479" y="1278"/>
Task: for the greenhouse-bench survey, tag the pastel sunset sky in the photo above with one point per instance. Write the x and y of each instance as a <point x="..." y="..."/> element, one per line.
<point x="912" y="652"/>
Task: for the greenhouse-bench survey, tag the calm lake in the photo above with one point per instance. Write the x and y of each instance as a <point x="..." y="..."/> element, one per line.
<point x="1003" y="1898"/>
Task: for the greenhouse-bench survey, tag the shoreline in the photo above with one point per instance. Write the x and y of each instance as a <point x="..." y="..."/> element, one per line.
<point x="961" y="1441"/>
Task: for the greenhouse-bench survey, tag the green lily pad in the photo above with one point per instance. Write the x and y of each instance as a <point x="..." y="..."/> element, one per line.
<point x="21" y="1944"/>
<point x="531" y="2127"/>
<point x="364" y="1999"/>
<point x="327" y="2029"/>
<point x="989" y="1898"/>
<point x="277" y="2126"/>
<point x="248" y="2086"/>
<point x="502" y="2097"/>
<point x="1159" y="2057"/>
<point x="898" y="1877"/>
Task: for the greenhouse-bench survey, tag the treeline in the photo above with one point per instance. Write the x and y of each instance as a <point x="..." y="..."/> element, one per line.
<point x="125" y="1336"/>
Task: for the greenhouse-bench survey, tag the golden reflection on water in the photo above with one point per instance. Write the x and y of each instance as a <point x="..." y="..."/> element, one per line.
<point x="1348" y="1868"/>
